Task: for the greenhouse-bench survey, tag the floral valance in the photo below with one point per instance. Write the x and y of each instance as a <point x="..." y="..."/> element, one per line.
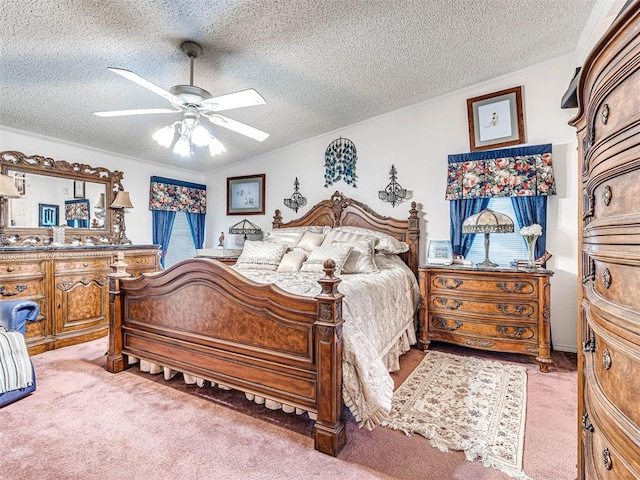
<point x="177" y="196"/>
<point x="509" y="172"/>
<point x="76" y="209"/>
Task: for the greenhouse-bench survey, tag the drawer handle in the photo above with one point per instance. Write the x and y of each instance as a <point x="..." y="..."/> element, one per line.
<point x="449" y="303"/>
<point x="604" y="115"/>
<point x="589" y="345"/>
<point x="606" y="359"/>
<point x="137" y="260"/>
<point x="607" y="195"/>
<point x="445" y="324"/>
<point x="606" y="457"/>
<point x="586" y="423"/>
<point x="10" y="269"/>
<point x="512" y="309"/>
<point x="506" y="288"/>
<point x="85" y="264"/>
<point x="606" y="278"/>
<point x="444" y="282"/>
<point x="19" y="289"/>
<point x="591" y="273"/>
<point x="514" y="332"/>
<point x="588" y="210"/>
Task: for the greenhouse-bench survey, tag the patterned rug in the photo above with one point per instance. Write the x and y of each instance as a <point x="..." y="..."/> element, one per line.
<point x="468" y="404"/>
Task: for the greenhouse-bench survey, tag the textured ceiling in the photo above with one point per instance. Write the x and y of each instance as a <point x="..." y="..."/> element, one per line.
<point x="320" y="64"/>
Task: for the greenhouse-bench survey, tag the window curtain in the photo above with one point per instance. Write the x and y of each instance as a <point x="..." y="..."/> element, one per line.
<point x="76" y="213"/>
<point x="168" y="196"/>
<point x="524" y="173"/>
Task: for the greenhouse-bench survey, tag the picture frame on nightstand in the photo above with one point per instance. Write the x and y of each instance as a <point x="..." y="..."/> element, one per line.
<point x="440" y="252"/>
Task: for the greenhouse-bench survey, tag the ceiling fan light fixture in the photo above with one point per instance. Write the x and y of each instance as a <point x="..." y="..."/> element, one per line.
<point x="216" y="147"/>
<point x="182" y="147"/>
<point x="165" y="135"/>
<point x="200" y="136"/>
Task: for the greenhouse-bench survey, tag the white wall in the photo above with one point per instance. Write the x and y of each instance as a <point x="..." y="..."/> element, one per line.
<point x="417" y="141"/>
<point x="135" y="180"/>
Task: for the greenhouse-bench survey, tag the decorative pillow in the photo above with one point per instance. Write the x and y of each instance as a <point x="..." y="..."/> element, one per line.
<point x="304" y="229"/>
<point x="385" y="243"/>
<point x="258" y="255"/>
<point x="310" y="241"/>
<point x="345" y="237"/>
<point x="284" y="237"/>
<point x="338" y="253"/>
<point x="361" y="258"/>
<point x="291" y="262"/>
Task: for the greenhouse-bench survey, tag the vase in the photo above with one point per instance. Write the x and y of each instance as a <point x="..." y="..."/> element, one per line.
<point x="58" y="237"/>
<point x="531" y="247"/>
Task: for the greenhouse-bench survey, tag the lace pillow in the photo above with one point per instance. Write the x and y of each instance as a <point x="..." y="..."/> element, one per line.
<point x="310" y="241"/>
<point x="361" y="258"/>
<point x="385" y="243"/>
<point x="258" y="255"/>
<point x="338" y="253"/>
<point x="284" y="237"/>
<point x="291" y="262"/>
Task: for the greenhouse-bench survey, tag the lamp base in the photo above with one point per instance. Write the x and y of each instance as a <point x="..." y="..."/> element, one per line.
<point x="487" y="264"/>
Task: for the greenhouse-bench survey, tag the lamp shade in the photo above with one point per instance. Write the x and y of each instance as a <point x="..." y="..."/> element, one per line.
<point x="8" y="187"/>
<point x="122" y="200"/>
<point x="488" y="221"/>
<point x="245" y="227"/>
<point x="100" y="203"/>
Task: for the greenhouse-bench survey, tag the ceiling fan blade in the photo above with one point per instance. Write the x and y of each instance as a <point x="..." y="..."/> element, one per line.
<point x="152" y="87"/>
<point x="239" y="127"/>
<point x="245" y="98"/>
<point x="138" y="111"/>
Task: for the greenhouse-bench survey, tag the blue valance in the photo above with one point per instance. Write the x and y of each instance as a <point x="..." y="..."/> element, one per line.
<point x="508" y="172"/>
<point x="177" y="196"/>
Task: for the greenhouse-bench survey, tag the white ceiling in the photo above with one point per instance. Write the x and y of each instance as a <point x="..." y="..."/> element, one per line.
<point x="320" y="64"/>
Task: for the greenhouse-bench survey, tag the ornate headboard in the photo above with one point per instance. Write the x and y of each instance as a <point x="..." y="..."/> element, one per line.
<point x="342" y="211"/>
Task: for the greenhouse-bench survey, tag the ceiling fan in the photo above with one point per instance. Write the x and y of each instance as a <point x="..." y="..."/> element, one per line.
<point x="193" y="102"/>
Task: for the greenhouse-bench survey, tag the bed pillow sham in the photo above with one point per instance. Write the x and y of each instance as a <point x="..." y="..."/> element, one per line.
<point x="310" y="241"/>
<point x="291" y="262"/>
<point x="259" y="255"/>
<point x="284" y="237"/>
<point x="384" y="244"/>
<point x="338" y="253"/>
<point x="362" y="257"/>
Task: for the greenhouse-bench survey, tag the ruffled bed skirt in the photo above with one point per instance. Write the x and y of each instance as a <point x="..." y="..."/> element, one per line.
<point x="390" y="359"/>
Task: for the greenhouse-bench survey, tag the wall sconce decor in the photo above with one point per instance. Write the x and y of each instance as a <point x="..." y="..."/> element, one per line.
<point x="394" y="193"/>
<point x="487" y="221"/>
<point x="297" y="200"/>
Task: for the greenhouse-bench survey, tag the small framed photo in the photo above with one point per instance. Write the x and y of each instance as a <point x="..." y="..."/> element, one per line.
<point x="78" y="189"/>
<point x="245" y="195"/>
<point x="496" y="120"/>
<point x="47" y="215"/>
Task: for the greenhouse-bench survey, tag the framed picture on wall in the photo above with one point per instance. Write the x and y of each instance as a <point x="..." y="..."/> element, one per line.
<point x="47" y="215"/>
<point x="78" y="189"/>
<point x="496" y="120"/>
<point x="245" y="195"/>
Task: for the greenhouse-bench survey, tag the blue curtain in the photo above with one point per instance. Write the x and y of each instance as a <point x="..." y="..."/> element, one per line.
<point x="162" y="227"/>
<point x="530" y="210"/>
<point x="459" y="211"/>
<point x="196" y="226"/>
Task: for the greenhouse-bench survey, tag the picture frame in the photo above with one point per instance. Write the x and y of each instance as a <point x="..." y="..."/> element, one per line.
<point x="496" y="120"/>
<point x="78" y="189"/>
<point x="245" y="195"/>
<point x="48" y="215"/>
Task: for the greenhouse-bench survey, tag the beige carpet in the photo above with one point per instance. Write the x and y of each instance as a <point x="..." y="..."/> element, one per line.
<point x="464" y="403"/>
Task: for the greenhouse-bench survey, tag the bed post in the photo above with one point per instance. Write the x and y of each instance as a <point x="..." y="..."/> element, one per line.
<point x="329" y="431"/>
<point x="414" y="239"/>
<point x="115" y="360"/>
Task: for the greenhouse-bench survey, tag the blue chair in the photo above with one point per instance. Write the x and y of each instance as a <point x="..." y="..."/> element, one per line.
<point x="14" y="314"/>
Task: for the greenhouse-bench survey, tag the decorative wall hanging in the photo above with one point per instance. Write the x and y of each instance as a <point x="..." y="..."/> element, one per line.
<point x="340" y="162"/>
<point x="297" y="200"/>
<point x="510" y="172"/>
<point x="394" y="193"/>
<point x="245" y="195"/>
<point x="496" y="120"/>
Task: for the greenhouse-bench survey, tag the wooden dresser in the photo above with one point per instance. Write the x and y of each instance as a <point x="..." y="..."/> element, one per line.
<point x="608" y="124"/>
<point x="504" y="309"/>
<point x="71" y="286"/>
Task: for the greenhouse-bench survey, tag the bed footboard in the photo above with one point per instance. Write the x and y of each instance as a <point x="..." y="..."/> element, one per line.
<point x="202" y="318"/>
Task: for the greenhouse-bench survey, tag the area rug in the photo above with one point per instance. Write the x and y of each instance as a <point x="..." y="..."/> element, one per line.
<point x="468" y="404"/>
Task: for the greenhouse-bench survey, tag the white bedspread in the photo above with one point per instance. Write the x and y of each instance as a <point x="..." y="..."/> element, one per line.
<point x="378" y="313"/>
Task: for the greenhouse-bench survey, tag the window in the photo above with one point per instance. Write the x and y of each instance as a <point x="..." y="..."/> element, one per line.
<point x="503" y="247"/>
<point x="181" y="245"/>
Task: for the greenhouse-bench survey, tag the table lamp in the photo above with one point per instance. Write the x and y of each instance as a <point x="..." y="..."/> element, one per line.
<point x="487" y="222"/>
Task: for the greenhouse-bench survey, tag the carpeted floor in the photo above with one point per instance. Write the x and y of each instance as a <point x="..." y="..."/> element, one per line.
<point x="84" y="423"/>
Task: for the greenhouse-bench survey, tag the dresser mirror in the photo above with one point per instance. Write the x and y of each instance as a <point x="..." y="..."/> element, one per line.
<point x="58" y="193"/>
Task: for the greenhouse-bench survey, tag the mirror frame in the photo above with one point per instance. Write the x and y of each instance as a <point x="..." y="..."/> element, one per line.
<point x="114" y="228"/>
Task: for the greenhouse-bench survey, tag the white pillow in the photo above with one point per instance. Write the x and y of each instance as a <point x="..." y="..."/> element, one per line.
<point x="385" y="243"/>
<point x="304" y="229"/>
<point x="310" y="241"/>
<point x="284" y="237"/>
<point x="361" y="258"/>
<point x="258" y="255"/>
<point x="338" y="253"/>
<point x="291" y="262"/>
<point x="345" y="237"/>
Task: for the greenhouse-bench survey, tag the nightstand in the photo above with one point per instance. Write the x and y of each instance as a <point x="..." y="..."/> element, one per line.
<point x="228" y="257"/>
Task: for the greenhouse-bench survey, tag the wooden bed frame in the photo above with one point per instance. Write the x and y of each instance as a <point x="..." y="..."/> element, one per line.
<point x="202" y="318"/>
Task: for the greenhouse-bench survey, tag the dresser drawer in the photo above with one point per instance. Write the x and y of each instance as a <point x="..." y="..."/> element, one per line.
<point x="503" y="285"/>
<point x="482" y="328"/>
<point x="615" y="282"/>
<point x="71" y="265"/>
<point x="22" y="288"/>
<point x="17" y="268"/>
<point x="141" y="262"/>
<point x="512" y="310"/>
